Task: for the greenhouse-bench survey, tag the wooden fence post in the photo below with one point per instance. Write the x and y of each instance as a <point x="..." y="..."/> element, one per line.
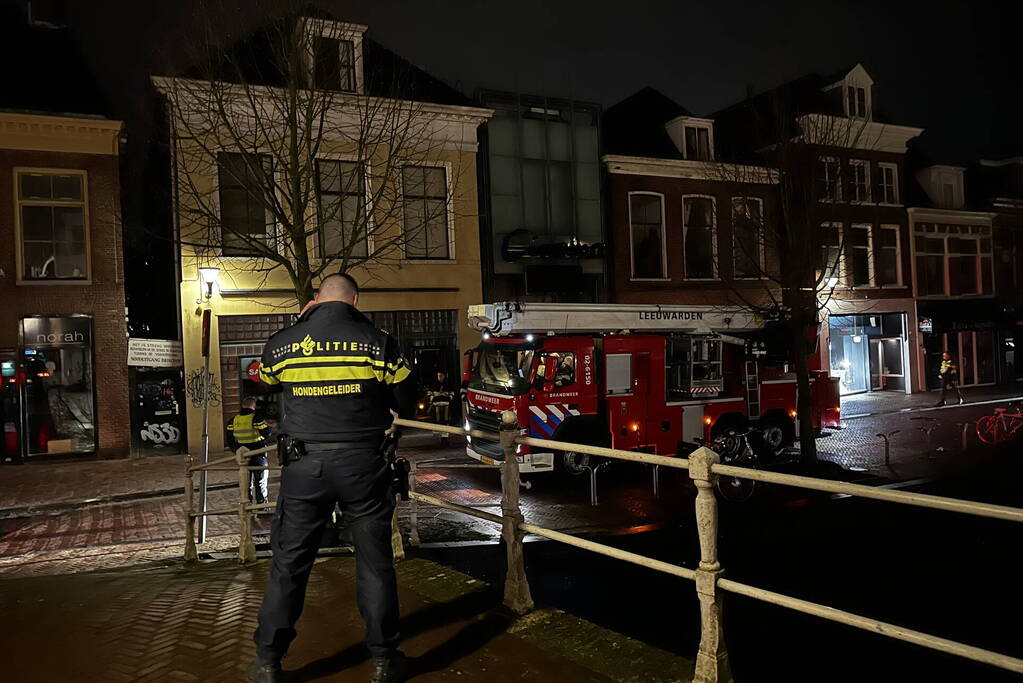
<point x="516" y="587"/>
<point x="191" y="556"/>
<point x="712" y="658"/>
<point x="246" y="547"/>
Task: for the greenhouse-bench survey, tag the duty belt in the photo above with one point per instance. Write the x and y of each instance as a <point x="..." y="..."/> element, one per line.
<point x="324" y="446"/>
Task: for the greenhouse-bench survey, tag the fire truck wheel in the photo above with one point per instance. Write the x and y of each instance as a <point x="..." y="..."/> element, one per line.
<point x="777" y="433"/>
<point x="576" y="463"/>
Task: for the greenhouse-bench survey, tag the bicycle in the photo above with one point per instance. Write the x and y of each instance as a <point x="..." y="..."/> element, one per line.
<point x="1002" y="426"/>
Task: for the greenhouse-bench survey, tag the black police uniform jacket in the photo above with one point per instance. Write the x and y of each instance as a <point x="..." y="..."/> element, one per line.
<point x="338" y="374"/>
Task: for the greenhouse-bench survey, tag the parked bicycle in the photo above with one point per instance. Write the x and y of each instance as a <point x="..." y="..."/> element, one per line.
<point x="1002" y="426"/>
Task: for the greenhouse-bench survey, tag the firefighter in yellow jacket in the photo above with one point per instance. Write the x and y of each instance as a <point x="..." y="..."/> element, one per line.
<point x="252" y="432"/>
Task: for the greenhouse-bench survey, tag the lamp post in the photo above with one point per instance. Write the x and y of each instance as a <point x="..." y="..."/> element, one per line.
<point x="207" y="278"/>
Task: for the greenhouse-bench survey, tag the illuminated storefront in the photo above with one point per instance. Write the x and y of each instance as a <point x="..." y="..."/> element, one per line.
<point x="868" y="352"/>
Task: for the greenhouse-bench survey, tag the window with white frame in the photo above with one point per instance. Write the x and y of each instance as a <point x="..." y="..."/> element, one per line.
<point x="748" y="237"/>
<point x="953" y="260"/>
<point x="646" y="236"/>
<point x="856" y="101"/>
<point x="698" y="232"/>
<point x="341" y="191"/>
<point x="889" y="256"/>
<point x="334" y="64"/>
<point x="829" y="175"/>
<point x="53" y="225"/>
<point x="425" y="194"/>
<point x="245" y="181"/>
<point x="698" y="145"/>
<point x="859" y="183"/>
<point x="831" y="254"/>
<point x="889" y="185"/>
<point x="859" y="255"/>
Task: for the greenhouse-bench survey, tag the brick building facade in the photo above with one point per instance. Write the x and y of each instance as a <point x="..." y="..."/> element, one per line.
<point x="62" y="326"/>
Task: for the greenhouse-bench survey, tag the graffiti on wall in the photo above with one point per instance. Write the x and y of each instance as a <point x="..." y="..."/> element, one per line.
<point x="164" y="433"/>
<point x="194" y="386"/>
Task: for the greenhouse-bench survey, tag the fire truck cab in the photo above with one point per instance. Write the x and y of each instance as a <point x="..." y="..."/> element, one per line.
<point x="648" y="378"/>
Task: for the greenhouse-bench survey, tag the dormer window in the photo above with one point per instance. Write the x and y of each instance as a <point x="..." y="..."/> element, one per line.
<point x="693" y="137"/>
<point x="333" y="56"/>
<point x="334" y="64"/>
<point x="698" y="143"/>
<point x="856" y="101"/>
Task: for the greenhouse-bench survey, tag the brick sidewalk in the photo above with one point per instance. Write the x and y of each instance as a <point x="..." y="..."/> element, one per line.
<point x="180" y="624"/>
<point x="883" y="402"/>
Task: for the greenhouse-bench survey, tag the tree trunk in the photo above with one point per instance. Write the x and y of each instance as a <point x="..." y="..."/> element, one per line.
<point x="804" y="396"/>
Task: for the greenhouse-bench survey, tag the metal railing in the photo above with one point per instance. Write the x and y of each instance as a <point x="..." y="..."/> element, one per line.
<point x="703" y="466"/>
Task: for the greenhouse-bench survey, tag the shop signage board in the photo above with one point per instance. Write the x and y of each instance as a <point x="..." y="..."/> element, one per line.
<point x="40" y="332"/>
<point x="154" y="353"/>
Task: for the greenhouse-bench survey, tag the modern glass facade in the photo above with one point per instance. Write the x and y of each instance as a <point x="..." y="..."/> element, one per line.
<point x="541" y="214"/>
<point x="868" y="352"/>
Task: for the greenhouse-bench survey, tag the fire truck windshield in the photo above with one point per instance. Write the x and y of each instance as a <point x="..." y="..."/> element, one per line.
<point x="503" y="368"/>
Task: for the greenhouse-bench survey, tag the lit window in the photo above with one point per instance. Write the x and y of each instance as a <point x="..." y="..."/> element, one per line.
<point x="342" y="209"/>
<point x="53" y="226"/>
<point x="698" y="238"/>
<point x="425" y="190"/>
<point x="646" y="225"/>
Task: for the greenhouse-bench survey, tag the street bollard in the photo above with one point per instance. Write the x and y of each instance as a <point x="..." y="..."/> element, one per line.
<point x="246" y="546"/>
<point x="928" y="431"/>
<point x="887" y="446"/>
<point x="657" y="481"/>
<point x="517" y="597"/>
<point x="191" y="556"/>
<point x="964" y="435"/>
<point x="712" y="658"/>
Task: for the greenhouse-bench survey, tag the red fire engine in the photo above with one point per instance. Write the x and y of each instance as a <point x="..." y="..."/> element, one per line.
<point x="635" y="377"/>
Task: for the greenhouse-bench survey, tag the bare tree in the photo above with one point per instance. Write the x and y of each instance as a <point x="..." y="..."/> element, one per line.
<point x="291" y="151"/>
<point x="794" y="255"/>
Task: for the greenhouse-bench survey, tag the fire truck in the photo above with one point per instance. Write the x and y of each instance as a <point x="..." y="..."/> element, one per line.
<point x="650" y="378"/>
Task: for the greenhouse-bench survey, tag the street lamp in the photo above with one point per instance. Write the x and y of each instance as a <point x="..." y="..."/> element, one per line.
<point x="208" y="277"/>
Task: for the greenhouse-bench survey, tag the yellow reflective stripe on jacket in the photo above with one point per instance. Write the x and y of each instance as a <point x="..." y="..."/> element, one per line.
<point x="329" y="373"/>
<point x="244" y="429"/>
<point x="287" y="362"/>
<point x="264" y="374"/>
<point x="398" y="374"/>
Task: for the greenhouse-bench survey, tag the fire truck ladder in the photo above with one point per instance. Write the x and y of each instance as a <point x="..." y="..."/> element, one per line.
<point x="752" y="390"/>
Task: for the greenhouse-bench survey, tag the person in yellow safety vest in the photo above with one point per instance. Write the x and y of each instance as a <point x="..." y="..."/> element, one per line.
<point x="245" y="429"/>
<point x="949" y="376"/>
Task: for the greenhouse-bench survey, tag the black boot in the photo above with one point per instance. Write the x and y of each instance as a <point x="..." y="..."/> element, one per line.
<point x="264" y="672"/>
<point x="391" y="669"/>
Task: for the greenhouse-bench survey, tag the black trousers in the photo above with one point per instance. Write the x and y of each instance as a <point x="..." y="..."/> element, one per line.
<point x="359" y="480"/>
<point x="948" y="381"/>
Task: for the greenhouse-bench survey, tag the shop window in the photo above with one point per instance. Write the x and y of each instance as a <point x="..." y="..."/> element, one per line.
<point x="646" y="225"/>
<point x="425" y="195"/>
<point x="245" y="180"/>
<point x="53" y="225"/>
<point x="342" y="209"/>
<point x="748" y="236"/>
<point x="698" y="232"/>
<point x="57" y="384"/>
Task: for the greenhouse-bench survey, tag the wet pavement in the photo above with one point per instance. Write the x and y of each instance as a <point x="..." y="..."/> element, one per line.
<point x="174" y="623"/>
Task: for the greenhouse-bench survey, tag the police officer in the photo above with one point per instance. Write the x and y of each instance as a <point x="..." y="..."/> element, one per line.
<point x="251" y="431"/>
<point x="341" y="378"/>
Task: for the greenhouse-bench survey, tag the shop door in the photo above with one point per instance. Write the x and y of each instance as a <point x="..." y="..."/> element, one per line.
<point x="876" y="383"/>
<point x="893" y="375"/>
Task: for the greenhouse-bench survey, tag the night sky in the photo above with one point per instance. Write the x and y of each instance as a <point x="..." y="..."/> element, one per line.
<point x="951" y="67"/>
